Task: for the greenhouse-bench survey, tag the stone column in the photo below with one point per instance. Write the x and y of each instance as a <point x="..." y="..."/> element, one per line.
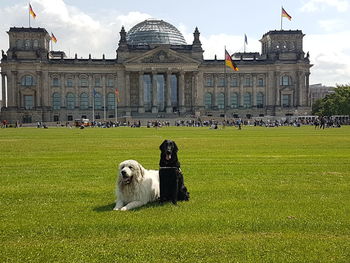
<point x="91" y="93"/>
<point x="169" y="108"/>
<point x="269" y="88"/>
<point x="141" y="94"/>
<point x="307" y="88"/>
<point x="254" y="90"/>
<point x="278" y="95"/>
<point x="13" y="97"/>
<point x="200" y="92"/>
<point x="46" y="91"/>
<point x="3" y="82"/>
<point x="182" y="108"/>
<point x="215" y="91"/>
<point x="241" y="95"/>
<point x="104" y="96"/>
<point x="127" y="94"/>
<point x="63" y="91"/>
<point x="38" y="89"/>
<point x="154" y="93"/>
<point x="227" y="91"/>
<point x="76" y="89"/>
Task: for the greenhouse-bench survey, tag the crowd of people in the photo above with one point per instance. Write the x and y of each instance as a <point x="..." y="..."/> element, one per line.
<point x="319" y="123"/>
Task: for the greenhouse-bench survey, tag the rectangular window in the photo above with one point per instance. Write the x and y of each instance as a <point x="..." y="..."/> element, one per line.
<point x="110" y="82"/>
<point x="55" y="82"/>
<point x="261" y="82"/>
<point x="70" y="82"/>
<point x="234" y="82"/>
<point x="221" y="82"/>
<point x="286" y="100"/>
<point x="28" y="102"/>
<point x="248" y="82"/>
<point x="209" y="82"/>
<point x="97" y="82"/>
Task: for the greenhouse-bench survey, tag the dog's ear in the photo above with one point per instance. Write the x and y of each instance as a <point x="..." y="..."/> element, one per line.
<point x="175" y="147"/>
<point x="142" y="170"/>
<point x="161" y="147"/>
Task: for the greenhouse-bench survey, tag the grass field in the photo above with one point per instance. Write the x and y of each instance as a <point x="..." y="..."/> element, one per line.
<point x="257" y="195"/>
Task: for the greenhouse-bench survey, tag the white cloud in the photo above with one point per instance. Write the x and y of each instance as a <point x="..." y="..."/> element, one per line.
<point x="321" y="5"/>
<point x="330" y="55"/>
<point x="331" y="25"/>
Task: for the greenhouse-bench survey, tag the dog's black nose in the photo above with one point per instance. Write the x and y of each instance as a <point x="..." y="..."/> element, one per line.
<point x="123" y="173"/>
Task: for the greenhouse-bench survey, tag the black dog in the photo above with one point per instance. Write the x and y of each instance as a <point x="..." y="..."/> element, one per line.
<point x="172" y="186"/>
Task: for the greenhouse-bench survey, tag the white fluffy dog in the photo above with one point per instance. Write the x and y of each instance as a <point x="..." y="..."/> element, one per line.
<point x="136" y="186"/>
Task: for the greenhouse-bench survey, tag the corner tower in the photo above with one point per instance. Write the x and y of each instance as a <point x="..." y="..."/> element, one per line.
<point x="283" y="44"/>
<point x="28" y="43"/>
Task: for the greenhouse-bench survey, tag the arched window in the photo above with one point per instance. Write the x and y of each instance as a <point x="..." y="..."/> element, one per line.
<point x="221" y="101"/>
<point x="27" y="80"/>
<point x="286" y="80"/>
<point x="234" y="100"/>
<point x="56" y="101"/>
<point x="247" y="100"/>
<point x="208" y="100"/>
<point x="260" y="100"/>
<point x="111" y="101"/>
<point x="70" y="101"/>
<point x="98" y="101"/>
<point x="84" y="101"/>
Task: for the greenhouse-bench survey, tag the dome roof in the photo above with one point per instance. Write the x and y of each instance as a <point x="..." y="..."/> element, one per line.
<point x="154" y="32"/>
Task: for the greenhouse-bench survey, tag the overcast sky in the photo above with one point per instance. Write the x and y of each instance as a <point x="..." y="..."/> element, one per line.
<point x="90" y="26"/>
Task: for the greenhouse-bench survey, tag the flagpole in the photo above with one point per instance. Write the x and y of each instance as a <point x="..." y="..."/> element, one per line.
<point x="116" y="110"/>
<point x="244" y="43"/>
<point x="29" y="13"/>
<point x="104" y="103"/>
<point x="281" y="17"/>
<point x="226" y="93"/>
<point x="93" y="107"/>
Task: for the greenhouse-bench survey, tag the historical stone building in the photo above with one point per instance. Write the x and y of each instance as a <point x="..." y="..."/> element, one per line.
<point x="155" y="73"/>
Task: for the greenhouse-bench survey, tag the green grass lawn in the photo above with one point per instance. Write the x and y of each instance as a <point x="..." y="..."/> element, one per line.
<point x="257" y="195"/>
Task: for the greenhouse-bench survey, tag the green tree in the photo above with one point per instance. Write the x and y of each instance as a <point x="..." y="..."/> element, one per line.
<point x="337" y="103"/>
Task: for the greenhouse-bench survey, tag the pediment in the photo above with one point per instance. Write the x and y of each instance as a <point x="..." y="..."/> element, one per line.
<point x="161" y="55"/>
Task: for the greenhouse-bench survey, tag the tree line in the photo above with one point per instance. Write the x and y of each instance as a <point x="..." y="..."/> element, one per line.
<point x="337" y="103"/>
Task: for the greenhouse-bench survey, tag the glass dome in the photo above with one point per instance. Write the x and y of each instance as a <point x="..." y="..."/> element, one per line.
<point x="154" y="32"/>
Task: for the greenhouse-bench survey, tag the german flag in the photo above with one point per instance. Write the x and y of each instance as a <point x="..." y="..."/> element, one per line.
<point x="31" y="11"/>
<point x="229" y="62"/>
<point x="53" y="38"/>
<point x="285" y="14"/>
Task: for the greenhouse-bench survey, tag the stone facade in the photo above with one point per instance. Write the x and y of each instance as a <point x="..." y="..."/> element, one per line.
<point x="152" y="80"/>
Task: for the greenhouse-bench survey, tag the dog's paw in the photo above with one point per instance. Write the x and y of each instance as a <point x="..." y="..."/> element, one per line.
<point x="124" y="208"/>
<point x="116" y="208"/>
